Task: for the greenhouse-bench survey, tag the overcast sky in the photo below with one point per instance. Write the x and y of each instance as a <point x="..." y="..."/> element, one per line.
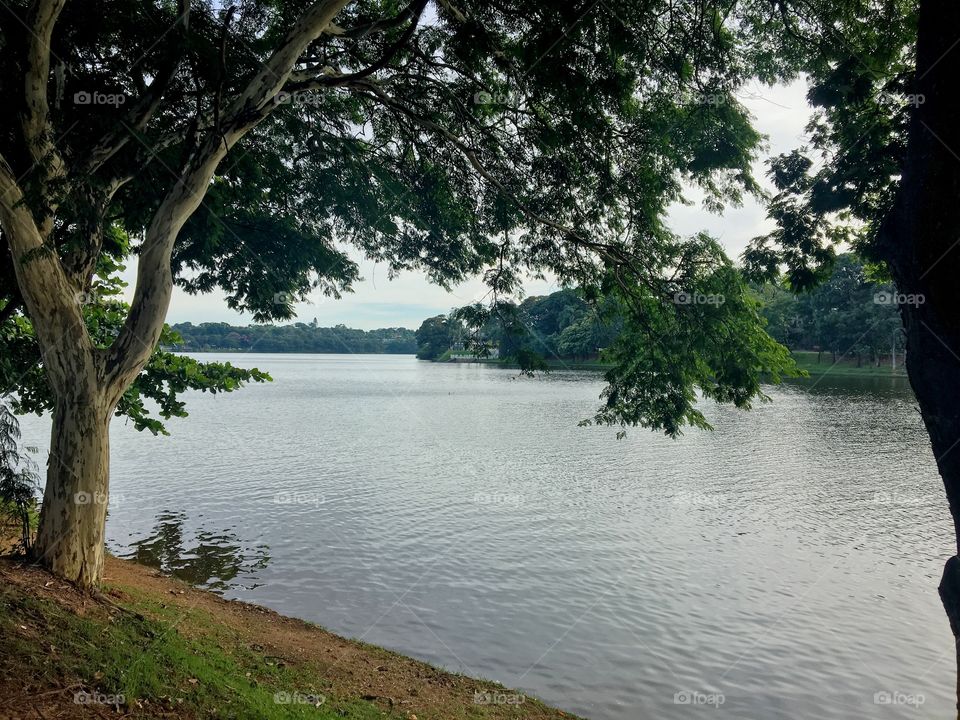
<point x="780" y="113"/>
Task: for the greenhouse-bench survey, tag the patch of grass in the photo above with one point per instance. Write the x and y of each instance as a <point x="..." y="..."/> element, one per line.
<point x="156" y="667"/>
<point x="807" y="360"/>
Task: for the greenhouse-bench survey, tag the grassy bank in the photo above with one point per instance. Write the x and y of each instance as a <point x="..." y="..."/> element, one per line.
<point x="158" y="648"/>
<point x="807" y="360"/>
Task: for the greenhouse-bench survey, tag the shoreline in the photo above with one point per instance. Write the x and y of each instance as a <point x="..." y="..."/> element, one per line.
<point x="169" y="649"/>
<point x="806" y="360"/>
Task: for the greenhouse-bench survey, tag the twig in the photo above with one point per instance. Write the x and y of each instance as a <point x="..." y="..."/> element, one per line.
<point x="97" y="595"/>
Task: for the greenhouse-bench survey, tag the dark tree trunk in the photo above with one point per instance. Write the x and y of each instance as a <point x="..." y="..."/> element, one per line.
<point x="935" y="377"/>
<point x="919" y="238"/>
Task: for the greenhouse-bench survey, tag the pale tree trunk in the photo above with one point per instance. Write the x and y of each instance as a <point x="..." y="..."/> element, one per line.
<point x="72" y="519"/>
<point x="88" y="382"/>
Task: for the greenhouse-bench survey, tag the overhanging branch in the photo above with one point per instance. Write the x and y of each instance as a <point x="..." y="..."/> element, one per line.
<point x="145" y="108"/>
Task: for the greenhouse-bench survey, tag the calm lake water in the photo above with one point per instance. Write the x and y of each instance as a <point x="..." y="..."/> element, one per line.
<point x="787" y="562"/>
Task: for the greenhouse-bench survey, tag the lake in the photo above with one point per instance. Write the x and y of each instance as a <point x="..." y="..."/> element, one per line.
<point x="783" y="566"/>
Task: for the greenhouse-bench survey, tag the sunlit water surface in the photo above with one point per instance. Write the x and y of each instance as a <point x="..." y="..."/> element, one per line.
<point x="787" y="561"/>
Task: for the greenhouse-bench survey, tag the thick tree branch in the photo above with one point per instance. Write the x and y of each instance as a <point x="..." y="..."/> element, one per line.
<point x="36" y="125"/>
<point x="48" y="295"/>
<point x="144" y="323"/>
<point x="327" y="78"/>
<point x="265" y="85"/>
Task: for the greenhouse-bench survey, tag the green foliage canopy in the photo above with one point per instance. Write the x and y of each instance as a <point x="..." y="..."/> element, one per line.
<point x="508" y="139"/>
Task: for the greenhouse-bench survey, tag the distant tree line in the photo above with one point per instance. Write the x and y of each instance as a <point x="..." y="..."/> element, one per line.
<point x="853" y="314"/>
<point x="294" y="338"/>
<point x="562" y="325"/>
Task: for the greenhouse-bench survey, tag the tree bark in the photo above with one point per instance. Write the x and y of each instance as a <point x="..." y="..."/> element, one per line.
<point x="920" y="239"/>
<point x="73" y="515"/>
<point x="934" y="374"/>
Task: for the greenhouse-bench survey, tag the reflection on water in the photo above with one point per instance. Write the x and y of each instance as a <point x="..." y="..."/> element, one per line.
<point x="892" y="387"/>
<point x="215" y="560"/>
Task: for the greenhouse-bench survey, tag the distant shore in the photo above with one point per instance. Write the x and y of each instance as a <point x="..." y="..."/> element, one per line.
<point x="807" y="360"/>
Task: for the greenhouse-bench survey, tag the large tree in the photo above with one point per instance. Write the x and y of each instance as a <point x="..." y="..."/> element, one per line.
<point x="882" y="171"/>
<point x="244" y="147"/>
